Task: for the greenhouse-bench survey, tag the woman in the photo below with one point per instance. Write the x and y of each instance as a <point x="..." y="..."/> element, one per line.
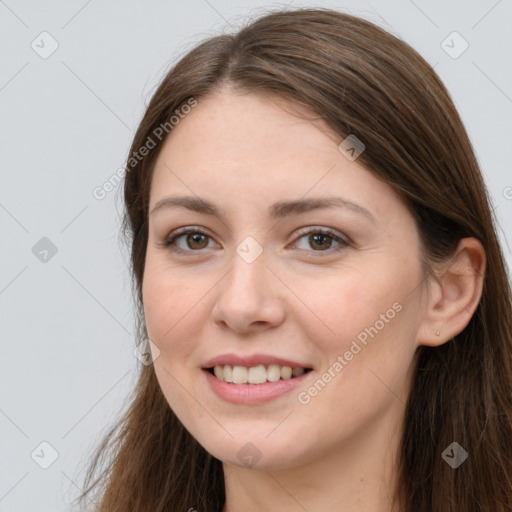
<point x="320" y="284"/>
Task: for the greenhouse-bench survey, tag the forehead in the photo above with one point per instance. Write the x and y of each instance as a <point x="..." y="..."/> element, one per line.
<point x="253" y="147"/>
<point x="233" y="127"/>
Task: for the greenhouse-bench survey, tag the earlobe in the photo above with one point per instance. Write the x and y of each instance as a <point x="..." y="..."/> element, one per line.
<point x="455" y="295"/>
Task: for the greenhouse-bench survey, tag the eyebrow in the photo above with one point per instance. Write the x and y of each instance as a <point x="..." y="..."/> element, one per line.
<point x="277" y="210"/>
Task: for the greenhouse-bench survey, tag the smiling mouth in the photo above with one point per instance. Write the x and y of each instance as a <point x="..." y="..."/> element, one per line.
<point x="260" y="374"/>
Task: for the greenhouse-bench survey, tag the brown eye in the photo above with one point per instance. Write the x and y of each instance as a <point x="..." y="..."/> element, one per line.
<point x="321" y="240"/>
<point x="318" y="239"/>
<point x="195" y="240"/>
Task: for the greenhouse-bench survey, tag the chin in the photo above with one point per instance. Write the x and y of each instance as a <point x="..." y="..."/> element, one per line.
<point x="256" y="452"/>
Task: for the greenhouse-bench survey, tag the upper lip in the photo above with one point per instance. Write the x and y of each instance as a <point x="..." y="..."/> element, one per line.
<point x="251" y="360"/>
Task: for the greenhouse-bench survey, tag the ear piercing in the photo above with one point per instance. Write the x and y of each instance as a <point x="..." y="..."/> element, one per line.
<point x="438" y="333"/>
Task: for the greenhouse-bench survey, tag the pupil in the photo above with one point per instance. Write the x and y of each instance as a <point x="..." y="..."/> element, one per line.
<point x="196" y="238"/>
<point x="319" y="236"/>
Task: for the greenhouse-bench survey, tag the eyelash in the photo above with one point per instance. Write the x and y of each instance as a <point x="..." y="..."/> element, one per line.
<point x="169" y="243"/>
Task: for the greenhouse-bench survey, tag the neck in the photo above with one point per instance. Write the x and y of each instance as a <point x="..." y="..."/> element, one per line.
<point x="358" y="476"/>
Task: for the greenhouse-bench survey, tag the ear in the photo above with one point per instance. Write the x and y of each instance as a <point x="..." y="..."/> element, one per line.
<point x="453" y="294"/>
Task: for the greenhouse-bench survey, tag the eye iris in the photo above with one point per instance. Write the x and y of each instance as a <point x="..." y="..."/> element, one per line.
<point x="321" y="236"/>
<point x="318" y="239"/>
<point x="193" y="237"/>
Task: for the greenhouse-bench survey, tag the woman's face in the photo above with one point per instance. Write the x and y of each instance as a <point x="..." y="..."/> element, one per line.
<point x="265" y="284"/>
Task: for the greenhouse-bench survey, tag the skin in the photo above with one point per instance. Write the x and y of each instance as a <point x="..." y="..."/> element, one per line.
<point x="297" y="300"/>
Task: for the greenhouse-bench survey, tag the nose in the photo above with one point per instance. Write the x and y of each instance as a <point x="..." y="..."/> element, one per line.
<point x="251" y="297"/>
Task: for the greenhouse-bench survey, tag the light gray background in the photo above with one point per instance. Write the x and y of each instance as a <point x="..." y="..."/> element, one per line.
<point x="67" y="121"/>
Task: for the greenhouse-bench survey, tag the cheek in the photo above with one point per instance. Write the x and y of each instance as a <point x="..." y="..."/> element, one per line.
<point x="348" y="302"/>
<point x="170" y="305"/>
<point x="172" y="308"/>
<point x="369" y="319"/>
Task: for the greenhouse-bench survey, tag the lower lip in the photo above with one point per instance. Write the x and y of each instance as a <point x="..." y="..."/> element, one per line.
<point x="252" y="393"/>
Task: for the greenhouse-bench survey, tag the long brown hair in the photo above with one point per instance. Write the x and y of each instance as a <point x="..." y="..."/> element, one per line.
<point x="360" y="79"/>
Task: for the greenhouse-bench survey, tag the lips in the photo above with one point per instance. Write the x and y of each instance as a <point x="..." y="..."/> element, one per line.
<point x="237" y="390"/>
<point x="253" y="393"/>
<point x="253" y="360"/>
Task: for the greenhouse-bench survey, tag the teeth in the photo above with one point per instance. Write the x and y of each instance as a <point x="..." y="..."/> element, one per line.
<point x="227" y="373"/>
<point x="255" y="374"/>
<point x="239" y="374"/>
<point x="273" y="372"/>
<point x="297" y="372"/>
<point x="286" y="373"/>
<point x="219" y="372"/>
